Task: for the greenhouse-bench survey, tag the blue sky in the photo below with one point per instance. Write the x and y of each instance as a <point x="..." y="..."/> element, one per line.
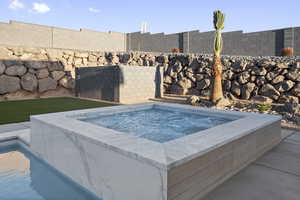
<point x="169" y="16"/>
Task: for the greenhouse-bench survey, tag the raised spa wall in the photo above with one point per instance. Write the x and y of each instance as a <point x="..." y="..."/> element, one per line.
<point x="118" y="166"/>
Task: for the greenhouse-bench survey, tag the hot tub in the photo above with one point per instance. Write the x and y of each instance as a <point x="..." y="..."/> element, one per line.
<point x="152" y="151"/>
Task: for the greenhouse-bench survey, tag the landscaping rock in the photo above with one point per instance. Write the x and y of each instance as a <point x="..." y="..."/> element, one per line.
<point x="193" y="100"/>
<point x="246" y="90"/>
<point x="296" y="90"/>
<point x="2" y="68"/>
<point x="42" y="73"/>
<point x="203" y="84"/>
<point x="29" y="82"/>
<point x="47" y="84"/>
<point x="16" y="70"/>
<point x="186" y="83"/>
<point x="9" y="84"/>
<point x="285" y="86"/>
<point x="57" y="75"/>
<point x="278" y="79"/>
<point x="67" y="82"/>
<point x="269" y="91"/>
<point x="36" y="64"/>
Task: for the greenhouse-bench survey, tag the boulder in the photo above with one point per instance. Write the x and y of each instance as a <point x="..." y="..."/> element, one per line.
<point x="247" y="90"/>
<point x="203" y="84"/>
<point x="284" y="99"/>
<point x="9" y="84"/>
<point x="222" y="103"/>
<point x="47" y="84"/>
<point x="285" y="86"/>
<point x="176" y="89"/>
<point x="36" y="64"/>
<point x="260" y="80"/>
<point x="293" y="75"/>
<point x="244" y="77"/>
<point x="20" y="95"/>
<point x="168" y="80"/>
<point x="11" y="62"/>
<point x="277" y="79"/>
<point x="55" y="66"/>
<point x="2" y="68"/>
<point x="235" y="89"/>
<point x="42" y="73"/>
<point x="67" y="82"/>
<point x="296" y="90"/>
<point x="259" y="71"/>
<point x="29" y="82"/>
<point x="193" y="100"/>
<point x="269" y="91"/>
<point x="272" y="74"/>
<point x="16" y="70"/>
<point x="54" y="54"/>
<point x="92" y="58"/>
<point x="186" y="83"/>
<point x="57" y="75"/>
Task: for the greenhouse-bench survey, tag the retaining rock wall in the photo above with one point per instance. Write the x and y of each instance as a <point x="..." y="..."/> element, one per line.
<point x="46" y="72"/>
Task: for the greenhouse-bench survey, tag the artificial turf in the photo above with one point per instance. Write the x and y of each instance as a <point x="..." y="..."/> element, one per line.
<point x="20" y="111"/>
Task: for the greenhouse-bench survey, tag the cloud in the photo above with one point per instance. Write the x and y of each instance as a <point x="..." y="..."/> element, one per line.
<point x="40" y="8"/>
<point x="16" y="4"/>
<point x="94" y="10"/>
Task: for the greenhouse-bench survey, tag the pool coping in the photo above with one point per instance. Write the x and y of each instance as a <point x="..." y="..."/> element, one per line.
<point x="163" y="155"/>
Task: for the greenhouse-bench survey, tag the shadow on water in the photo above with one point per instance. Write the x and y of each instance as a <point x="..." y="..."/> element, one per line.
<point x="40" y="181"/>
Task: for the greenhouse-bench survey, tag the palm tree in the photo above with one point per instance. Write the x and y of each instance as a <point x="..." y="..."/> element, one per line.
<point x="217" y="92"/>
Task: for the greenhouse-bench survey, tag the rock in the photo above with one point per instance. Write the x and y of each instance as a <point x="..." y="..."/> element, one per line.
<point x="5" y="53"/>
<point x="203" y="84"/>
<point x="227" y="85"/>
<point x="176" y="89"/>
<point x="236" y="89"/>
<point x="260" y="80"/>
<point x="262" y="99"/>
<point x="42" y="73"/>
<point x="222" y="103"/>
<point x="168" y="80"/>
<point x="67" y="82"/>
<point x="9" y="84"/>
<point x="277" y="79"/>
<point x="246" y="90"/>
<point x="92" y="58"/>
<point x="186" y="83"/>
<point x="282" y="65"/>
<point x="9" y="63"/>
<point x="293" y="75"/>
<point x="296" y="90"/>
<point x="259" y="71"/>
<point x="284" y="99"/>
<point x="193" y="100"/>
<point x="291" y="108"/>
<point x="29" y="82"/>
<point x="269" y="91"/>
<point x="244" y="77"/>
<point x="2" y="68"/>
<point x="55" y="66"/>
<point x="36" y="64"/>
<point x="16" y="70"/>
<point x="272" y="74"/>
<point x="78" y="61"/>
<point x="57" y="75"/>
<point x="47" y="84"/>
<point x="285" y="86"/>
<point x="228" y="75"/>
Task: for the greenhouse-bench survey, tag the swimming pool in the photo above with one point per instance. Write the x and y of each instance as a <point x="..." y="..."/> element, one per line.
<point x="25" y="177"/>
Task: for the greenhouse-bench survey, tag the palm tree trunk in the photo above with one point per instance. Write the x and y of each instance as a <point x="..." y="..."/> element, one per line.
<point x="217" y="92"/>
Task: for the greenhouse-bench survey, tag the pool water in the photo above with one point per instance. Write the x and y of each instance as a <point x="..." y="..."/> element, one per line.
<point x="159" y="125"/>
<point x="24" y="177"/>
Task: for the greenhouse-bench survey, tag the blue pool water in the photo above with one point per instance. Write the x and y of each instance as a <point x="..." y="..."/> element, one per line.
<point x="25" y="177"/>
<point x="156" y="124"/>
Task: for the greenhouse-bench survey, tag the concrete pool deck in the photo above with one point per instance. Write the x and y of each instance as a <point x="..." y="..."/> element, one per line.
<point x="275" y="175"/>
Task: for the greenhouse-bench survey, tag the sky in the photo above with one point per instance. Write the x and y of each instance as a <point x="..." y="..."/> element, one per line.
<point x="169" y="16"/>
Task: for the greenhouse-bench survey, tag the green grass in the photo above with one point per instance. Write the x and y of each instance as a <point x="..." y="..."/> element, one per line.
<point x="20" y="111"/>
